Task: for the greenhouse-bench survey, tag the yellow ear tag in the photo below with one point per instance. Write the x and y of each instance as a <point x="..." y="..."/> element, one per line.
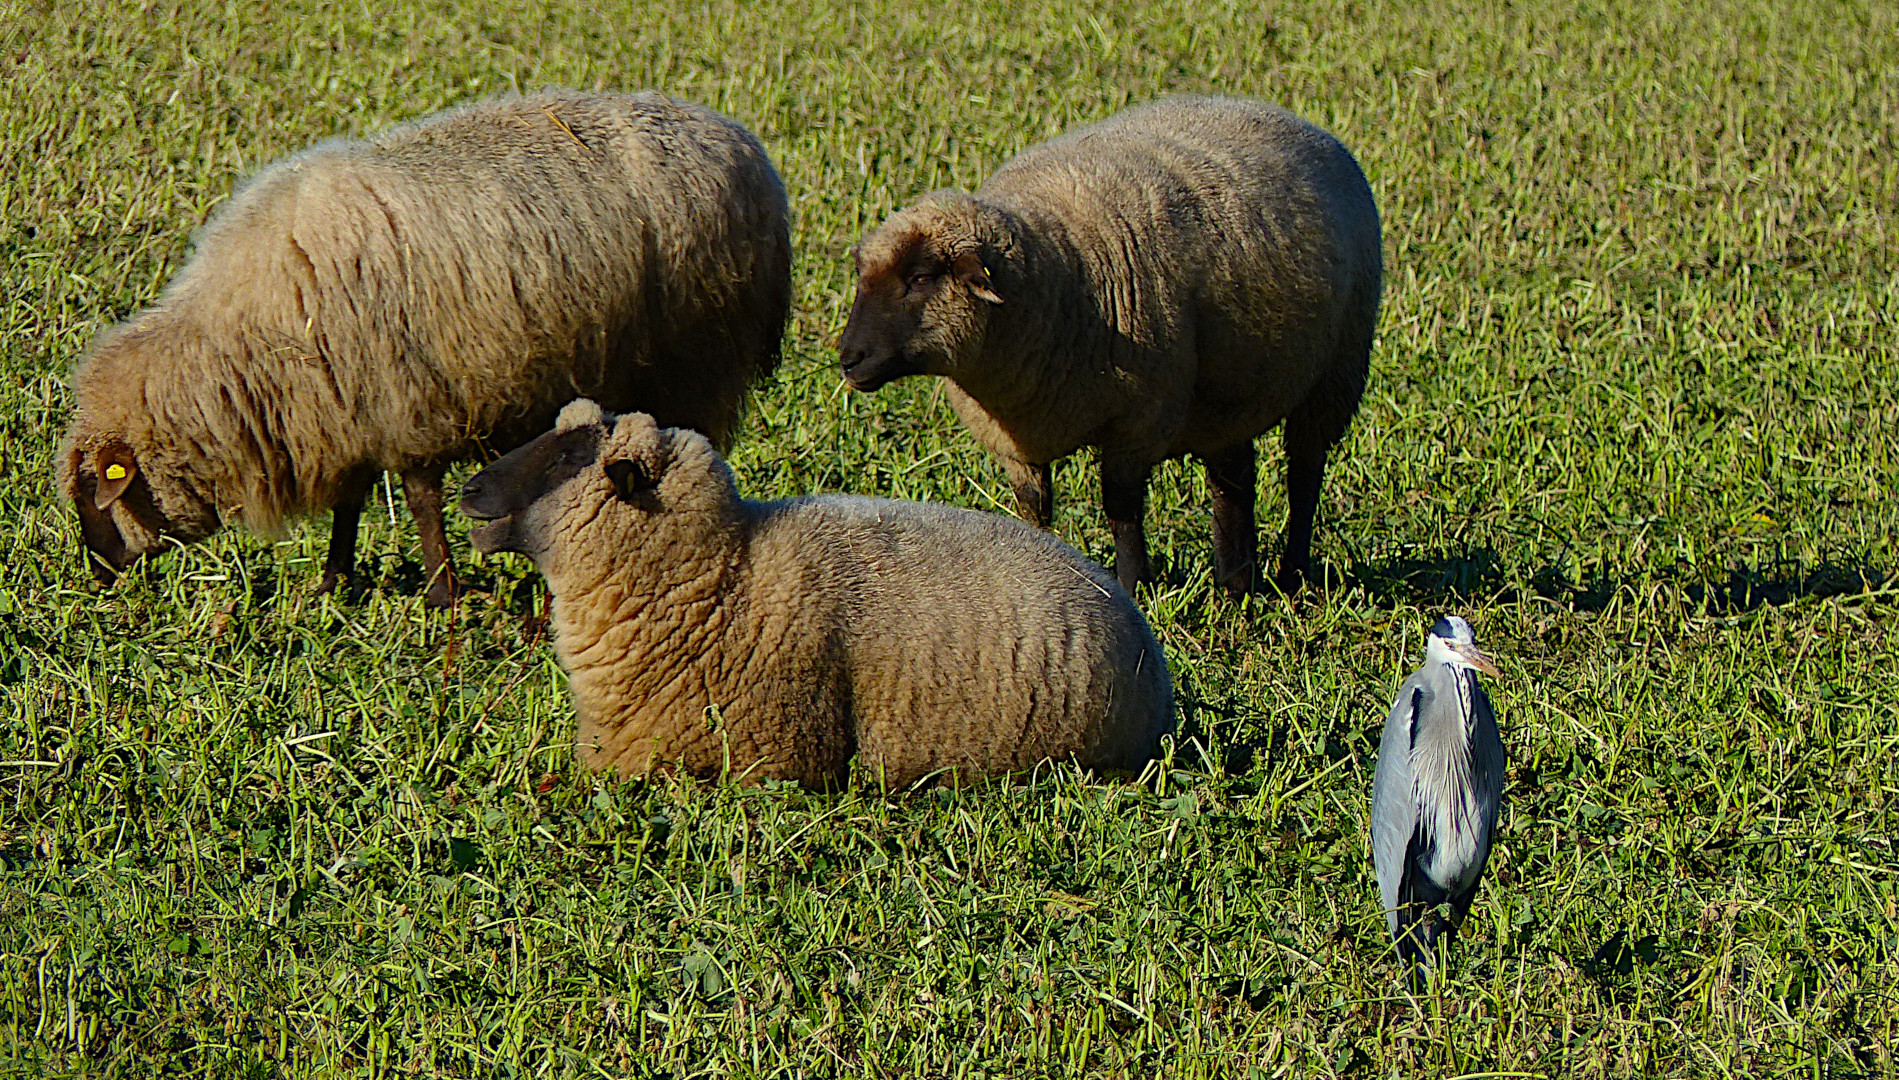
<point x="115" y="471"/>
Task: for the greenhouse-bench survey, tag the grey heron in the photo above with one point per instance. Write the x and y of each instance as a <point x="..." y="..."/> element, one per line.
<point x="1436" y="791"/>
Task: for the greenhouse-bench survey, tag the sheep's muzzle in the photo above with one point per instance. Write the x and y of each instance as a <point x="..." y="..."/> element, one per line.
<point x="518" y="479"/>
<point x="873" y="350"/>
<point x="106" y="549"/>
<point x="487" y="502"/>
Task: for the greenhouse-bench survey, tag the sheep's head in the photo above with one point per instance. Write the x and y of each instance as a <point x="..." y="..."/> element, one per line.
<point x="131" y="493"/>
<point x="593" y="488"/>
<point x="923" y="292"/>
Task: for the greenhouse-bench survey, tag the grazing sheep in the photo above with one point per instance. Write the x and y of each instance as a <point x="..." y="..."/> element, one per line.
<point x="778" y="639"/>
<point x="424" y="296"/>
<point x="1174" y="280"/>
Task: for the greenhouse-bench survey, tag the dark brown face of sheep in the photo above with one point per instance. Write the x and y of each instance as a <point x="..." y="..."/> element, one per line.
<point x="108" y="476"/>
<point x="911" y="301"/>
<point x="502" y="494"/>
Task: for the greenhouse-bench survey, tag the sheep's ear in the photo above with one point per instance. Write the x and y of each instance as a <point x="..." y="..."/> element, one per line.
<point x="630" y="477"/>
<point x="970" y="271"/>
<point x="115" y="465"/>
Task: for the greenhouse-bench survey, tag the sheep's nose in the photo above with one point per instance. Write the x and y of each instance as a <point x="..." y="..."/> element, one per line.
<point x="475" y="494"/>
<point x="853" y="352"/>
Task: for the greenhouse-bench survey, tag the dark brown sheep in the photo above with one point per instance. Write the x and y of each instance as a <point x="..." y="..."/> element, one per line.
<point x="1177" y="279"/>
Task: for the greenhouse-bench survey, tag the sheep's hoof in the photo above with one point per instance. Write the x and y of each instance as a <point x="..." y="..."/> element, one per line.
<point x="443" y="593"/>
<point x="331" y="580"/>
<point x="1238" y="588"/>
<point x="1290" y="580"/>
<point x="1240" y="582"/>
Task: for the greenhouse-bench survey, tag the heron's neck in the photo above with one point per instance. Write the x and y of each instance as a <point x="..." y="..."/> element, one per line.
<point x="1441" y="765"/>
<point x="1438" y="651"/>
<point x="1462" y="678"/>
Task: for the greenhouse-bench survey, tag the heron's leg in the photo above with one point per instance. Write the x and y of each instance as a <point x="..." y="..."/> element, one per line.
<point x="422" y="485"/>
<point x="1419" y="930"/>
<point x="1034" y="491"/>
<point x="1305" y="471"/>
<point x="1233" y="478"/>
<point x="1124" y="500"/>
<point x="339" y="565"/>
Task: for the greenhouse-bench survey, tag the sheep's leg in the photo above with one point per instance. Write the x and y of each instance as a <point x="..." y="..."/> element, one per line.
<point x="1034" y="491"/>
<point x="1124" y="500"/>
<point x="422" y="485"/>
<point x="1232" y="476"/>
<point x="339" y="565"/>
<point x="1305" y="471"/>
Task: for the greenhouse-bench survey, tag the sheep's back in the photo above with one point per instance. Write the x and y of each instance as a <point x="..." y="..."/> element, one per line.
<point x="1226" y="230"/>
<point x="978" y="642"/>
<point x="465" y="275"/>
<point x="1201" y="181"/>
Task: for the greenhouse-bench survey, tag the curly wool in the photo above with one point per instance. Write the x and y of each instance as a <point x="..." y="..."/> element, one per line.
<point x="440" y="289"/>
<point x="779" y="639"/>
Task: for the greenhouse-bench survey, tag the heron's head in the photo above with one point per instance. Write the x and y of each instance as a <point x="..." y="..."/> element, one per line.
<point x="1451" y="642"/>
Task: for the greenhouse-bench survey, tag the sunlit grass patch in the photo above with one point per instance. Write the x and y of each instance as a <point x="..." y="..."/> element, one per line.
<point x="1632" y="411"/>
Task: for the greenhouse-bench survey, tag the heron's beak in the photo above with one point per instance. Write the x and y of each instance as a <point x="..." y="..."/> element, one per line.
<point x="1476" y="658"/>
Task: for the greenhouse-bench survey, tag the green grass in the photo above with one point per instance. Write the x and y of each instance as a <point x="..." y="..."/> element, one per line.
<point x="1633" y="411"/>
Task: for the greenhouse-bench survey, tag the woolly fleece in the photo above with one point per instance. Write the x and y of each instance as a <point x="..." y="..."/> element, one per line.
<point x="436" y="290"/>
<point x="778" y="639"/>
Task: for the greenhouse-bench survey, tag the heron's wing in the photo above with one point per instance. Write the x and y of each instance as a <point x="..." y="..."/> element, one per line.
<point x="1394" y="809"/>
<point x="1486" y="755"/>
<point x="1487" y="766"/>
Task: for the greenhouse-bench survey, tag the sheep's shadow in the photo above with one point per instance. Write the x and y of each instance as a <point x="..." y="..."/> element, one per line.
<point x="1478" y="574"/>
<point x="403" y="575"/>
<point x="1782" y="583"/>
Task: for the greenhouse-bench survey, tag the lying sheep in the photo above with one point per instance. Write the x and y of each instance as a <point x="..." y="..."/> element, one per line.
<point x="779" y="639"/>
<point x="410" y="300"/>
<point x="1174" y="280"/>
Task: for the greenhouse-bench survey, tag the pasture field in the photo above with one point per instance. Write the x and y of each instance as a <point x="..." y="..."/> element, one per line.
<point x="1633" y="410"/>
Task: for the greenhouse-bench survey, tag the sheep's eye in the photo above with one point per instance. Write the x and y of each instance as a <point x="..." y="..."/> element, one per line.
<point x="920" y="281"/>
